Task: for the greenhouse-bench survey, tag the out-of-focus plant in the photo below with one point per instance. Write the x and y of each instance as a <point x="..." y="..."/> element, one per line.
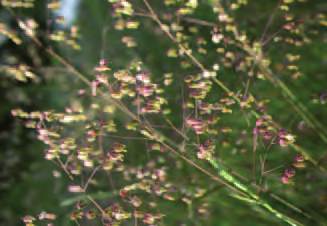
<point x="23" y="84"/>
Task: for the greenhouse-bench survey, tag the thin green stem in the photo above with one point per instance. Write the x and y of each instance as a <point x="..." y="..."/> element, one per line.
<point x="298" y="106"/>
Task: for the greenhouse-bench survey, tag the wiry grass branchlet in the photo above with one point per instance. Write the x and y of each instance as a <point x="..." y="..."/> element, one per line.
<point x="124" y="127"/>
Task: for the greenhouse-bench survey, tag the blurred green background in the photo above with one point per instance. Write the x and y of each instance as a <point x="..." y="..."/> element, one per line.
<point x="28" y="186"/>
